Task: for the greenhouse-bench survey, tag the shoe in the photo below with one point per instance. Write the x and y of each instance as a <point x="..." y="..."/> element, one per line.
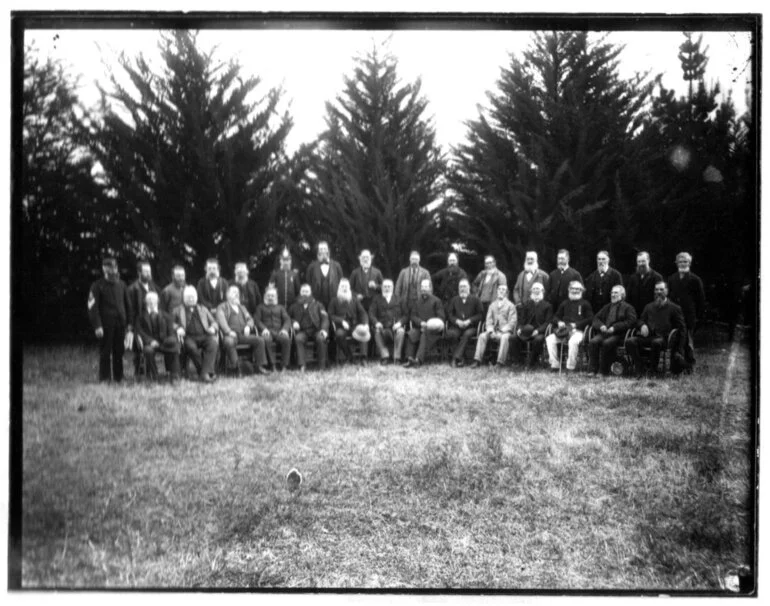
<point x="364" y="363"/>
<point x="302" y="368"/>
<point x="417" y="363"/>
<point x="407" y="364"/>
<point x="209" y="379"/>
<point x="454" y="363"/>
<point x="460" y="363"/>
<point x="554" y="369"/>
<point x="261" y="370"/>
<point x="384" y="362"/>
<point x="475" y="364"/>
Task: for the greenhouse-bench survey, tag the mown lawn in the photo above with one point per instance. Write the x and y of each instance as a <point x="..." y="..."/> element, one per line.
<point x="412" y="479"/>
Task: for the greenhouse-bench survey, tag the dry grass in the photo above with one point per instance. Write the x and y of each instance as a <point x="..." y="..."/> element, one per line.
<point x="412" y="479"/>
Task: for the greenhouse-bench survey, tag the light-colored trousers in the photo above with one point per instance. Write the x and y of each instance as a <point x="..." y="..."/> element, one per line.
<point x="502" y="352"/>
<point x="572" y="349"/>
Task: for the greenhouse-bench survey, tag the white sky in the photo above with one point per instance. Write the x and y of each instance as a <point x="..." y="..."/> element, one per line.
<point x="457" y="67"/>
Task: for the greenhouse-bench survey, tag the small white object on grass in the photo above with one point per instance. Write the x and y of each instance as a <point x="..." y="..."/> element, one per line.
<point x="293" y="480"/>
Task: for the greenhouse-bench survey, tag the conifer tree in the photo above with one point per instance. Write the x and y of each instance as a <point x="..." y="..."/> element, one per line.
<point x="694" y="61"/>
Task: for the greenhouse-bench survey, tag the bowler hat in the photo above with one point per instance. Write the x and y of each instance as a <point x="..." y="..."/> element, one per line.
<point x="526" y="331"/>
<point x="562" y="332"/>
<point x="435" y="324"/>
<point x="361" y="333"/>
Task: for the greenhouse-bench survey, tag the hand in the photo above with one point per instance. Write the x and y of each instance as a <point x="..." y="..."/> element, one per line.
<point x="359" y="297"/>
<point x="572" y="326"/>
<point x="490" y="331"/>
<point x="233" y="334"/>
<point x="265" y="333"/>
<point x="323" y="334"/>
<point x="99" y="332"/>
<point x="603" y="328"/>
<point x="645" y="331"/>
<point x="154" y="344"/>
<point x="378" y="326"/>
<point x="561" y="325"/>
<point x="284" y="333"/>
<point x="611" y="329"/>
<point x="128" y="342"/>
<point x="295" y="326"/>
<point x="459" y="323"/>
<point x="212" y="330"/>
<point x="372" y="284"/>
<point x="180" y="332"/>
<point x="247" y="331"/>
<point x="423" y="325"/>
<point x="345" y="325"/>
<point x="518" y="332"/>
<point x="535" y="333"/>
<point x="397" y="326"/>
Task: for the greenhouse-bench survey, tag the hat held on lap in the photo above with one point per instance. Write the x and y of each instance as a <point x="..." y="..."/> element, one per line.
<point x="526" y="331"/>
<point x="562" y="332"/>
<point x="435" y="324"/>
<point x="361" y="333"/>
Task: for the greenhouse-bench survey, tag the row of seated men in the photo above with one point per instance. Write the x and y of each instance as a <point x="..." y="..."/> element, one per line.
<point x="391" y="318"/>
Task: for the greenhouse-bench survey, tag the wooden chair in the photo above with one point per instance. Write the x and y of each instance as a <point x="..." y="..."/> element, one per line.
<point x="563" y="349"/>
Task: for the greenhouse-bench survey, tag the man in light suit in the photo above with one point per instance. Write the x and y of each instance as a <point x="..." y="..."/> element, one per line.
<point x="499" y="326"/>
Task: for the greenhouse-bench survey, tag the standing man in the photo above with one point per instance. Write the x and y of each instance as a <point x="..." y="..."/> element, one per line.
<point x="285" y="280"/>
<point x="251" y="296"/>
<point x="324" y="275"/>
<point x="487" y="281"/>
<point x="657" y="321"/>
<point x="570" y="320"/>
<point x="409" y="280"/>
<point x="365" y="281"/>
<point x="531" y="274"/>
<point x="560" y="278"/>
<point x="157" y="331"/>
<point x="137" y="292"/>
<point x="500" y="323"/>
<point x="172" y="296"/>
<point x="108" y="309"/>
<point x="536" y="315"/>
<point x="212" y="290"/>
<point x="641" y="286"/>
<point x="686" y="290"/>
<point x="274" y="324"/>
<point x="350" y="319"/>
<point x="599" y="283"/>
<point x="428" y="316"/>
<point x="197" y="331"/>
<point x="388" y="316"/>
<point x="238" y="327"/>
<point x="465" y="311"/>
<point x="610" y="323"/>
<point x="310" y="321"/>
<point x="447" y="280"/>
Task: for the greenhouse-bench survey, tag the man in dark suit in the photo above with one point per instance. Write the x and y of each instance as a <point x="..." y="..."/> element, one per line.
<point x="447" y="280"/>
<point x="465" y="311"/>
<point x="172" y="295"/>
<point x="108" y="307"/>
<point x="560" y="278"/>
<point x="286" y="280"/>
<point x="409" y="280"/>
<point x="197" y="331"/>
<point x="136" y="294"/>
<point x="610" y="325"/>
<point x="600" y="282"/>
<point x="157" y="333"/>
<point x="251" y="297"/>
<point x="657" y="321"/>
<point x="428" y="316"/>
<point x="310" y="321"/>
<point x="324" y="275"/>
<point x="388" y="316"/>
<point x="365" y="280"/>
<point x="686" y="290"/>
<point x="536" y="315"/>
<point x="212" y="289"/>
<point x="350" y="320"/>
<point x="274" y="324"/>
<point x="641" y="286"/>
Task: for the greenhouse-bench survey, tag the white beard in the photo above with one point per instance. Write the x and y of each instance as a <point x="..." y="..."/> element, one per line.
<point x="347" y="298"/>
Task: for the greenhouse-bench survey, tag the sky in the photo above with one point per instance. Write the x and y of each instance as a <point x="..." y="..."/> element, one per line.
<point x="457" y="67"/>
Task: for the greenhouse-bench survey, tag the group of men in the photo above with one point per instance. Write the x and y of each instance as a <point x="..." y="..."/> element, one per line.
<point x="418" y="309"/>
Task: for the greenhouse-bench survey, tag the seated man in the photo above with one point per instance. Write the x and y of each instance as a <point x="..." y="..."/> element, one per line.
<point x="427" y="316"/>
<point x="274" y="324"/>
<point x="310" y="321"/>
<point x="658" y="319"/>
<point x="610" y="324"/>
<point x="238" y="327"/>
<point x="197" y="331"/>
<point x="533" y="321"/>
<point x="388" y="315"/>
<point x="156" y="330"/>
<point x="569" y="322"/>
<point x="465" y="311"/>
<point x="501" y="320"/>
<point x="350" y="319"/>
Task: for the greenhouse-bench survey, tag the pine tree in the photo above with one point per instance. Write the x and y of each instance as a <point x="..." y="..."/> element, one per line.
<point x="195" y="162"/>
<point x="375" y="178"/>
<point x="694" y="61"/>
<point x="542" y="168"/>
<point x="65" y="221"/>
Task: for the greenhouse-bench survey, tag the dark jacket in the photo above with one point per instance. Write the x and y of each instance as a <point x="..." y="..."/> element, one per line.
<point x="578" y="313"/>
<point x="424" y="310"/>
<point x="165" y="328"/>
<point x="386" y="313"/>
<point x="315" y="310"/>
<point x="251" y="296"/>
<point x="487" y="291"/>
<point x="446" y="282"/>
<point x="538" y="315"/>
<point x="689" y="294"/>
<point x="558" y="285"/>
<point x="641" y="290"/>
<point x="472" y="310"/>
<point x="171" y="297"/>
<point x="314" y="276"/>
<point x="359" y="282"/>
<point x="625" y="317"/>
<point x="212" y="297"/>
<point x="136" y="296"/>
<point x="598" y="287"/>
<point x="287" y="283"/>
<point x="353" y="312"/>
<point x="273" y="318"/>
<point x="225" y="311"/>
<point x="401" y="288"/>
<point x="181" y="319"/>
<point x="108" y="302"/>
<point x="662" y="320"/>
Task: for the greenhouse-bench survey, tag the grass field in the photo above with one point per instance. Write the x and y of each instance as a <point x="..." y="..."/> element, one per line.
<point x="436" y="478"/>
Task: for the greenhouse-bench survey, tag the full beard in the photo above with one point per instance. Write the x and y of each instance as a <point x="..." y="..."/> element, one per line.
<point x="346" y="298"/>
